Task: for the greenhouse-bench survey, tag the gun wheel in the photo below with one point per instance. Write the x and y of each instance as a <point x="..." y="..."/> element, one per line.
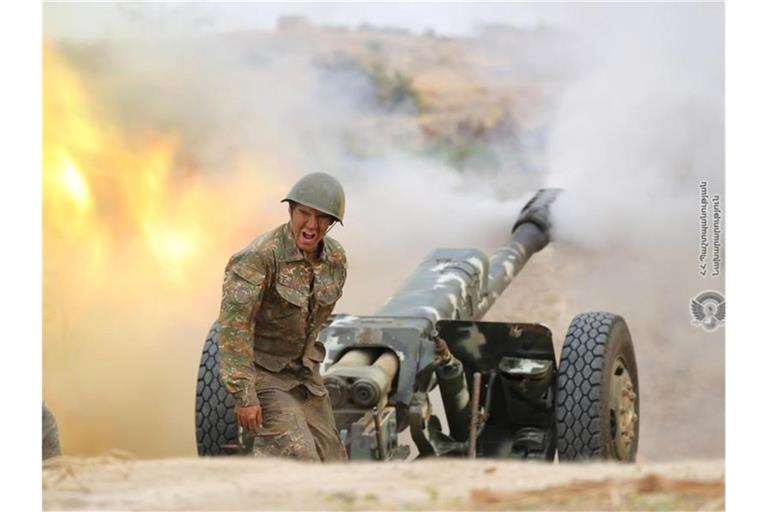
<point x="598" y="407"/>
<point x="215" y="422"/>
<point x="622" y="410"/>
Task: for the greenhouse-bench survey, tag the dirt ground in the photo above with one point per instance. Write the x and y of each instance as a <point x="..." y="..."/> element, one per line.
<point x="122" y="483"/>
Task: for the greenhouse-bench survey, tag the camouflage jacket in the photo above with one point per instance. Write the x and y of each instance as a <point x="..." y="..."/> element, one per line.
<point x="274" y="303"/>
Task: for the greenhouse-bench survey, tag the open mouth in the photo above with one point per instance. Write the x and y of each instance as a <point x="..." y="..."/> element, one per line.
<point x="307" y="237"/>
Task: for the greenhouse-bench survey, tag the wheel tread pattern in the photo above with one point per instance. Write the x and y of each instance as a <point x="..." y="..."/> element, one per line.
<point x="578" y="389"/>
<point x="215" y="423"/>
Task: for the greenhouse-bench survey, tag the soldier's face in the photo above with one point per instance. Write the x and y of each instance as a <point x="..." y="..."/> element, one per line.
<point x="308" y="226"/>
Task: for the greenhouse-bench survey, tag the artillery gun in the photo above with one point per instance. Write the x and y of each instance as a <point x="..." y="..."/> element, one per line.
<point x="501" y="388"/>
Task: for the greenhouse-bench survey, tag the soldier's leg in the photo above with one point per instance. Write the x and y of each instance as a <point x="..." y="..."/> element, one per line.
<point x="319" y="414"/>
<point x="284" y="431"/>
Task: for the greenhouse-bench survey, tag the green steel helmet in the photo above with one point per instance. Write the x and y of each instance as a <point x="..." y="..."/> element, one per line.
<point x="320" y="191"/>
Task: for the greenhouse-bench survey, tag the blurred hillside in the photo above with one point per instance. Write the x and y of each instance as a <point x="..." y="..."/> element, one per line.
<point x="480" y="103"/>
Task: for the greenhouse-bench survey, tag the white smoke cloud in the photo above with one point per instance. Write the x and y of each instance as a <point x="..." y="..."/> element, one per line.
<point x="635" y="123"/>
<point x="630" y="142"/>
<point x="643" y="125"/>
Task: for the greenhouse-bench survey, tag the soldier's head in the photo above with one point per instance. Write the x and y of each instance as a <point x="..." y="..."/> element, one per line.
<point x="315" y="203"/>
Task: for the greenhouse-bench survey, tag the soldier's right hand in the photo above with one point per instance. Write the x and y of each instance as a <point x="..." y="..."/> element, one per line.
<point x="249" y="417"/>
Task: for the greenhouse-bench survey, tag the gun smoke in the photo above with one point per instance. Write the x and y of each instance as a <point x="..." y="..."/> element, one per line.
<point x="627" y="121"/>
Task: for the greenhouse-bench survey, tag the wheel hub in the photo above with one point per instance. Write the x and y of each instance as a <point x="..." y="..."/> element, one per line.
<point x="623" y="410"/>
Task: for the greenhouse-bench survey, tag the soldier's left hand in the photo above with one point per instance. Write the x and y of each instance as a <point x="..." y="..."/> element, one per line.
<point x="249" y="417"/>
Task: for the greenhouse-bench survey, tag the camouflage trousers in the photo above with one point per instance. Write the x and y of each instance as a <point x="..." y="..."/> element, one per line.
<point x="295" y="424"/>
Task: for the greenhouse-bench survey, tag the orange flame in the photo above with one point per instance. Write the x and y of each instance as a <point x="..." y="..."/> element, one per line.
<point x="135" y="240"/>
<point x="99" y="185"/>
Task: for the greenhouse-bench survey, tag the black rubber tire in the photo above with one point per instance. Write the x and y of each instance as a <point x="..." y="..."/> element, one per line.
<point x="215" y="422"/>
<point x="592" y="345"/>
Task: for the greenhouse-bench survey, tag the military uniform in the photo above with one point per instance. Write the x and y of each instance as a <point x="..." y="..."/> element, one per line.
<point x="274" y="303"/>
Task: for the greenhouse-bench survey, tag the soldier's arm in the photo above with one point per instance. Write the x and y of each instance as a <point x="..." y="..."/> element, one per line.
<point x="342" y="258"/>
<point x="243" y="291"/>
<point x="343" y="270"/>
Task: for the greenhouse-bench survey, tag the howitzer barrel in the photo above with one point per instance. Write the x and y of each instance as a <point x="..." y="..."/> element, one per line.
<point x="530" y="234"/>
<point x="462" y="284"/>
